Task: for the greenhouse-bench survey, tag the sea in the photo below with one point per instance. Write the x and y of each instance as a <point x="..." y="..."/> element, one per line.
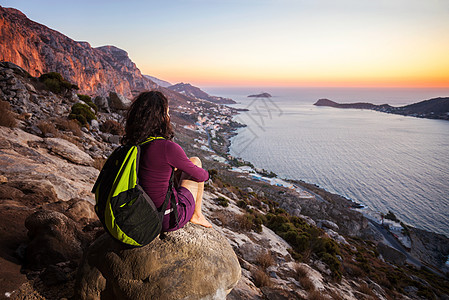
<point x="383" y="161"/>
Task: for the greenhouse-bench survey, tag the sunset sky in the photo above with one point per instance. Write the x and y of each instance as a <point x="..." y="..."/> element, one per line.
<point x="265" y="42"/>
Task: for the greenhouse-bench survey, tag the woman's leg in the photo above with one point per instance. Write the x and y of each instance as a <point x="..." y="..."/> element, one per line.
<point x="197" y="189"/>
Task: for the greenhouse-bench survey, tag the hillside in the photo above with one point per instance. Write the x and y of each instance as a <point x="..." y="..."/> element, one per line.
<point x="288" y="247"/>
<point x="292" y="239"/>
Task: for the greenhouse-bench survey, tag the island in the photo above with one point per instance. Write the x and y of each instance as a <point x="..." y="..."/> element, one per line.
<point x="435" y="108"/>
<point x="261" y="95"/>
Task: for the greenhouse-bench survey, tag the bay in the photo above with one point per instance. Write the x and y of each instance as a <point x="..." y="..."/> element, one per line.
<point x="384" y="161"/>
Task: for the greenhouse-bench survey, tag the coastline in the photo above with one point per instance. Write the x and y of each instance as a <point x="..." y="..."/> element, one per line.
<point x="399" y="234"/>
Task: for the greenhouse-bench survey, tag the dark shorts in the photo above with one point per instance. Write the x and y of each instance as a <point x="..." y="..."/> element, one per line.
<point x="186" y="206"/>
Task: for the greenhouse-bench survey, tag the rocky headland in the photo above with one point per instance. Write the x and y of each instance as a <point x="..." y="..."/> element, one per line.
<point x="436" y="108"/>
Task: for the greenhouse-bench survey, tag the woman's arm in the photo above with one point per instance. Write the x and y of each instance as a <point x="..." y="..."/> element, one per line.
<point x="177" y="158"/>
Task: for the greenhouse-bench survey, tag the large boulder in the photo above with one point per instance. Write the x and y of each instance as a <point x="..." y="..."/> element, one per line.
<point x="102" y="104"/>
<point x="118" y="101"/>
<point x="191" y="263"/>
<point x="54" y="238"/>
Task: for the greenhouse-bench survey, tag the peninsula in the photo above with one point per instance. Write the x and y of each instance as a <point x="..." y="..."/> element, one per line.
<point x="435" y="108"/>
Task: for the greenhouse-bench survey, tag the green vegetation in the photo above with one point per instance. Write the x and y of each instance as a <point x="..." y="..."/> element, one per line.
<point x="269" y="174"/>
<point x="305" y="239"/>
<point x="88" y="100"/>
<point x="82" y="113"/>
<point x="250" y="221"/>
<point x="222" y="201"/>
<point x="54" y="82"/>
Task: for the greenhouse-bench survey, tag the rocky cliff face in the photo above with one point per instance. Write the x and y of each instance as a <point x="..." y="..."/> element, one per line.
<point x="39" y="49"/>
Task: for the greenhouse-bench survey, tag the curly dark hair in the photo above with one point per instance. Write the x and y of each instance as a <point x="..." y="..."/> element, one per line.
<point x="147" y="116"/>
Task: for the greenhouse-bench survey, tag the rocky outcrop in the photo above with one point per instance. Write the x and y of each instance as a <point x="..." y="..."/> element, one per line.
<point x="25" y="157"/>
<point x="118" y="102"/>
<point x="39" y="49"/>
<point x="191" y="263"/>
<point x="391" y="254"/>
<point x="68" y="151"/>
<point x="430" y="247"/>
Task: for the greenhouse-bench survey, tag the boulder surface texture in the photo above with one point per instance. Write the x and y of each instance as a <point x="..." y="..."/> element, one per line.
<point x="191" y="263"/>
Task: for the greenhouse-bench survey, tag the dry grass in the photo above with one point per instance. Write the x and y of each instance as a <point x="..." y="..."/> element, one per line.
<point x="222" y="217"/>
<point x="68" y="125"/>
<point x="316" y="295"/>
<point x="260" y="278"/>
<point x="335" y="296"/>
<point x="48" y="128"/>
<point x="243" y="223"/>
<point x="307" y="284"/>
<point x="353" y="270"/>
<point x="365" y="289"/>
<point x="301" y="271"/>
<point x="265" y="260"/>
<point x="112" y="127"/>
<point x="6" y="115"/>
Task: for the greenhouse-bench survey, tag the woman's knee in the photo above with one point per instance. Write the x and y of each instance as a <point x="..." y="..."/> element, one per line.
<point x="196" y="161"/>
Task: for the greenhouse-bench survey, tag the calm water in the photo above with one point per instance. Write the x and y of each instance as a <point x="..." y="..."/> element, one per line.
<point x="386" y="162"/>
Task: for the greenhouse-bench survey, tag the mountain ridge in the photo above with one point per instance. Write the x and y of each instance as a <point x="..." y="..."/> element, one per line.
<point x="39" y="49"/>
<point x="196" y="93"/>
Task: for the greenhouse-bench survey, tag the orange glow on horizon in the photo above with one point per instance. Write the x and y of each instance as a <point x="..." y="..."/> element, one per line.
<point x="239" y="79"/>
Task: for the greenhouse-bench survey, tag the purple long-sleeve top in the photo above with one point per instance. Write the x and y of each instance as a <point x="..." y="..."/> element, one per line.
<point x="156" y="161"/>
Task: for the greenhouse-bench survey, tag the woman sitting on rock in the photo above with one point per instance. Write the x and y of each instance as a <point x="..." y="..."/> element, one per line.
<point x="147" y="117"/>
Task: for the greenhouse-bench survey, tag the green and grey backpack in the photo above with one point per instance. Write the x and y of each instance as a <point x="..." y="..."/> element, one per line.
<point x="125" y="210"/>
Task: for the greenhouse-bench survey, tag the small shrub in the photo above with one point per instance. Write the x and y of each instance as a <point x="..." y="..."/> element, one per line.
<point x="81" y="113"/>
<point x="68" y="125"/>
<point x="301" y="271"/>
<point x="307" y="284"/>
<point x="88" y="100"/>
<point x="54" y="82"/>
<point x="222" y="201"/>
<point x="222" y="217"/>
<point x="112" y="127"/>
<point x="260" y="278"/>
<point x="265" y="260"/>
<point x="47" y="128"/>
<point x="6" y="115"/>
<point x="244" y="222"/>
<point x="242" y="204"/>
